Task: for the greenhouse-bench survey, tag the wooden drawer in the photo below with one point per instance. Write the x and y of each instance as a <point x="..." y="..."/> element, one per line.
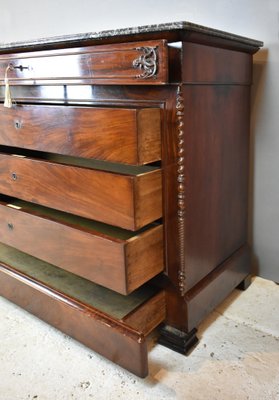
<point x="113" y="325"/>
<point x="130" y="136"/>
<point x="128" y="197"/>
<point x="143" y="62"/>
<point x="117" y="259"/>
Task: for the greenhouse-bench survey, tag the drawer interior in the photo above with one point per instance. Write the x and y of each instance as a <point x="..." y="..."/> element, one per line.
<point x="113" y="325"/>
<point x="93" y="164"/>
<point x="101" y="165"/>
<point x="86" y="292"/>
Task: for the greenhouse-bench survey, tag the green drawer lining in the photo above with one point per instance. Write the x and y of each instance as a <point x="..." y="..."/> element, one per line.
<point x="105" y="300"/>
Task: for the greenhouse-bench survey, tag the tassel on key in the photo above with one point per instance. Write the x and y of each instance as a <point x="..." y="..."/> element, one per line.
<point x="8" y="99"/>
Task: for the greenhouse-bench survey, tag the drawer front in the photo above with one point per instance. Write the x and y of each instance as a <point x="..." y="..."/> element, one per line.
<point x="104" y="255"/>
<point x="127" y="201"/>
<point x="46" y="292"/>
<point x="130" y="63"/>
<point x="129" y="136"/>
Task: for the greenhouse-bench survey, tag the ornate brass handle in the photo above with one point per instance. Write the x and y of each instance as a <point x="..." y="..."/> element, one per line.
<point x="147" y="62"/>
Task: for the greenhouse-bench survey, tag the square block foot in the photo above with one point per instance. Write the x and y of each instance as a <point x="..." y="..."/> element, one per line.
<point x="177" y="340"/>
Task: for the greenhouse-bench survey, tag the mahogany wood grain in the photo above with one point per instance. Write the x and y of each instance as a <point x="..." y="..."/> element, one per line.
<point x="148" y="316"/>
<point x="186" y="313"/>
<point x="125" y="135"/>
<point x="118" y="264"/>
<point x="107" y="336"/>
<point x="212" y="290"/>
<point x="148" y="196"/>
<point x="104" y="64"/>
<point x="82" y="191"/>
<point x="205" y="64"/>
<point x="216" y="147"/>
<point x="149" y="135"/>
<point x="165" y="97"/>
<point x="205" y="122"/>
<point x="144" y="255"/>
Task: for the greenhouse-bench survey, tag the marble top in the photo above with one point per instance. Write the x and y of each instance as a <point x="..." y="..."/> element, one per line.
<point x="69" y="40"/>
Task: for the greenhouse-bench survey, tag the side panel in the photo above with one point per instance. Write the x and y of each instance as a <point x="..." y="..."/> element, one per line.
<point x="216" y="145"/>
<point x="206" y="64"/>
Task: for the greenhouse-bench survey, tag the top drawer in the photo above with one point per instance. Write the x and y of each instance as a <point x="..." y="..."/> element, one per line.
<point x="128" y="63"/>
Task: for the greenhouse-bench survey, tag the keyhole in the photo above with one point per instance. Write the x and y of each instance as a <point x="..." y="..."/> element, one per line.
<point x="10" y="226"/>
<point x="14" y="176"/>
<point x="20" y="67"/>
<point x="17" y="124"/>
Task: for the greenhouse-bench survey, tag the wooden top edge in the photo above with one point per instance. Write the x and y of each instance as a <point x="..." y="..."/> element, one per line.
<point x="173" y="31"/>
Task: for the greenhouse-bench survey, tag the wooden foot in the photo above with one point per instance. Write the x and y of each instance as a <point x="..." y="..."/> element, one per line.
<point x="245" y="283"/>
<point x="177" y="340"/>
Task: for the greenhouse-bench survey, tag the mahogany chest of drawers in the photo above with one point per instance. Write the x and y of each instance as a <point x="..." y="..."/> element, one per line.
<point x="123" y="181"/>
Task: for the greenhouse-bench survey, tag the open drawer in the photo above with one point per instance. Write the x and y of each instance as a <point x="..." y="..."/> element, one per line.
<point x="126" y="196"/>
<point x="113" y="325"/>
<point x="118" y="259"/>
<point x="115" y="134"/>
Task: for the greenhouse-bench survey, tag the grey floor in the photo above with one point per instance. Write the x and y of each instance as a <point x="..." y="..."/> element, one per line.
<point x="237" y="358"/>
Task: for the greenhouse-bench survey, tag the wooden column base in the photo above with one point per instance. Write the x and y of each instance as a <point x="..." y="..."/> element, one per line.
<point x="177" y="340"/>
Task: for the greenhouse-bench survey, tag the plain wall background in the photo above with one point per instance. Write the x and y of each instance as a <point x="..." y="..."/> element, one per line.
<point x="258" y="19"/>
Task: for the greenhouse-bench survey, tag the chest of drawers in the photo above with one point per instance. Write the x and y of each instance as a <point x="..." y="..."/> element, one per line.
<point x="123" y="181"/>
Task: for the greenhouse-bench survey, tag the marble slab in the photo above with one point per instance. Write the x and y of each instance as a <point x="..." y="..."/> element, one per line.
<point x="70" y="40"/>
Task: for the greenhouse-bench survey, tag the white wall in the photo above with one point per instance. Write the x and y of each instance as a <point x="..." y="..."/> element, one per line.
<point x="258" y="19"/>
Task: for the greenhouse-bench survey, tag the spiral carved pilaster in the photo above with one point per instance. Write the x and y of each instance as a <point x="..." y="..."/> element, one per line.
<point x="180" y="188"/>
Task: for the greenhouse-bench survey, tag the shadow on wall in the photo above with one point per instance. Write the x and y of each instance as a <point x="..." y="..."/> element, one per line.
<point x="259" y="78"/>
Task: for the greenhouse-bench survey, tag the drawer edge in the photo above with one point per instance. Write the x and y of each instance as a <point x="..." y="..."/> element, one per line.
<point x="111" y="338"/>
<point x="150" y="315"/>
<point x="79" y="250"/>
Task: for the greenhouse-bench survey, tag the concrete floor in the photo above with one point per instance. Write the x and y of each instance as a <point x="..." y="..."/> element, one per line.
<point x="237" y="358"/>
